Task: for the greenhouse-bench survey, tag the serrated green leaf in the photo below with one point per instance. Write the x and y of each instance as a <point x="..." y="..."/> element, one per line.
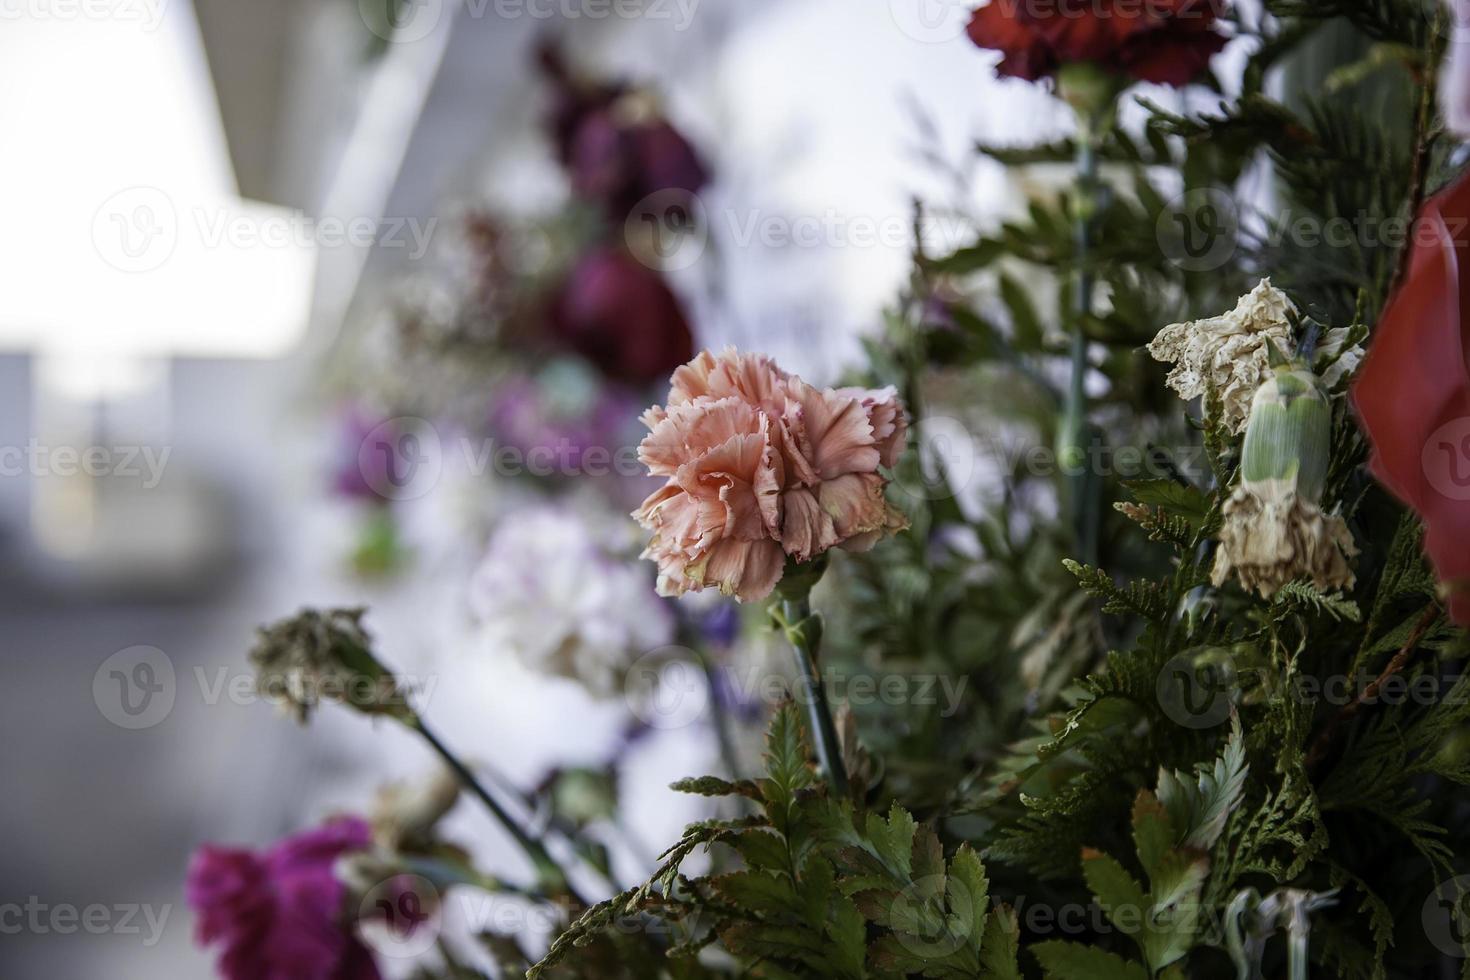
<point x="1069" y="961"/>
<point x="1001" y="946"/>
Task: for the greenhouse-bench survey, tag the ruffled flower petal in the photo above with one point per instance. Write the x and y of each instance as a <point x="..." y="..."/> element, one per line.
<point x="760" y="467"/>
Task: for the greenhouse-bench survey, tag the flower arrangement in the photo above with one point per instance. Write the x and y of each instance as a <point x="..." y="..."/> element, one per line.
<point x="1207" y="651"/>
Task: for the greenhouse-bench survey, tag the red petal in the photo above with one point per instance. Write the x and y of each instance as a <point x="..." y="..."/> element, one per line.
<point x="1002" y="26"/>
<point x="1413" y="390"/>
<point x="1172" y="56"/>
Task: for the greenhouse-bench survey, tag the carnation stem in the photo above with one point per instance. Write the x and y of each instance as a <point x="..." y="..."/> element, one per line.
<point x="1080" y="496"/>
<point x="804" y="632"/>
<point x="551" y="875"/>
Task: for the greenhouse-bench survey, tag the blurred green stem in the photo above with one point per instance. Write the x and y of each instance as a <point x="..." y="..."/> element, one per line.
<point x="553" y="879"/>
<point x="1082" y="504"/>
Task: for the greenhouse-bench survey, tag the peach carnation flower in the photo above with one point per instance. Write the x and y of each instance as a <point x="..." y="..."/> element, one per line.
<point x="762" y="466"/>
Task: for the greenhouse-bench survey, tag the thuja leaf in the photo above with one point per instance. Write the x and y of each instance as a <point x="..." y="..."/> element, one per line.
<point x="1160" y="525"/>
<point x="592" y="922"/>
<point x="1146" y="599"/>
<point x="1306" y="597"/>
<point x="714" y="786"/>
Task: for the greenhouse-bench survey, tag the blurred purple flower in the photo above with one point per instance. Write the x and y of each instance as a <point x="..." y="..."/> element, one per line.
<point x="720" y="624"/>
<point x="280" y="913"/>
<point x="623" y="317"/>
<point x="357" y="472"/>
<point x="530" y="414"/>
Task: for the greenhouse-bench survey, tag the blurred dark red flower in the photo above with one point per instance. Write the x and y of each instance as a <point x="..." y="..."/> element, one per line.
<point x="1413" y="389"/>
<point x="617" y="148"/>
<point x="280" y="912"/>
<point x="1165" y="41"/>
<point x="621" y="315"/>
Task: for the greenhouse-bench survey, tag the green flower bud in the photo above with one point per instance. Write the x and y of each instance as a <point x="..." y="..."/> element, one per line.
<point x="1274" y="529"/>
<point x="319" y="656"/>
<point x="1289" y="434"/>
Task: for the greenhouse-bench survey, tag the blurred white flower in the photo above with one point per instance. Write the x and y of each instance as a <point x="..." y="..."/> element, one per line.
<point x="551" y="593"/>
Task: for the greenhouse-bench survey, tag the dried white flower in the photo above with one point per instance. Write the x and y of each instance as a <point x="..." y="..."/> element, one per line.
<point x="1228" y="352"/>
<point x="1273" y="535"/>
<point x="1275" y="530"/>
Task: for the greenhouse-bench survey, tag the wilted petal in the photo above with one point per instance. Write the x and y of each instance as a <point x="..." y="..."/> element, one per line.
<point x="807" y="530"/>
<point x="855" y="503"/>
<point x="748" y="570"/>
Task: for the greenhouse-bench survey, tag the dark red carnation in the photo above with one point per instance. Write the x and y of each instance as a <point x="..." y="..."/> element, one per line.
<point x="1166" y="41"/>
<point x="1413" y="390"/>
<point x="623" y="317"/>
<point x="616" y="147"/>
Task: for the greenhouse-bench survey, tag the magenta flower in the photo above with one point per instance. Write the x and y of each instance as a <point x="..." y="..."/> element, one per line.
<point x="280" y="914"/>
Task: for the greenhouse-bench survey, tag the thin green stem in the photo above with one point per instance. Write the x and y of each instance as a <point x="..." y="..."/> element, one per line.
<point x="1083" y="509"/>
<point x="548" y="871"/>
<point x="802" y="631"/>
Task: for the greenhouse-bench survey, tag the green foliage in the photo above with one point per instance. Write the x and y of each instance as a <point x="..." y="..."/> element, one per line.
<point x="825" y="891"/>
<point x="1132" y="738"/>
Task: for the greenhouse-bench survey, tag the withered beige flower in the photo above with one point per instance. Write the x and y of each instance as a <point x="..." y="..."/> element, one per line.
<point x="762" y="466"/>
<point x="1227" y="352"/>
<point x="1273" y="534"/>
